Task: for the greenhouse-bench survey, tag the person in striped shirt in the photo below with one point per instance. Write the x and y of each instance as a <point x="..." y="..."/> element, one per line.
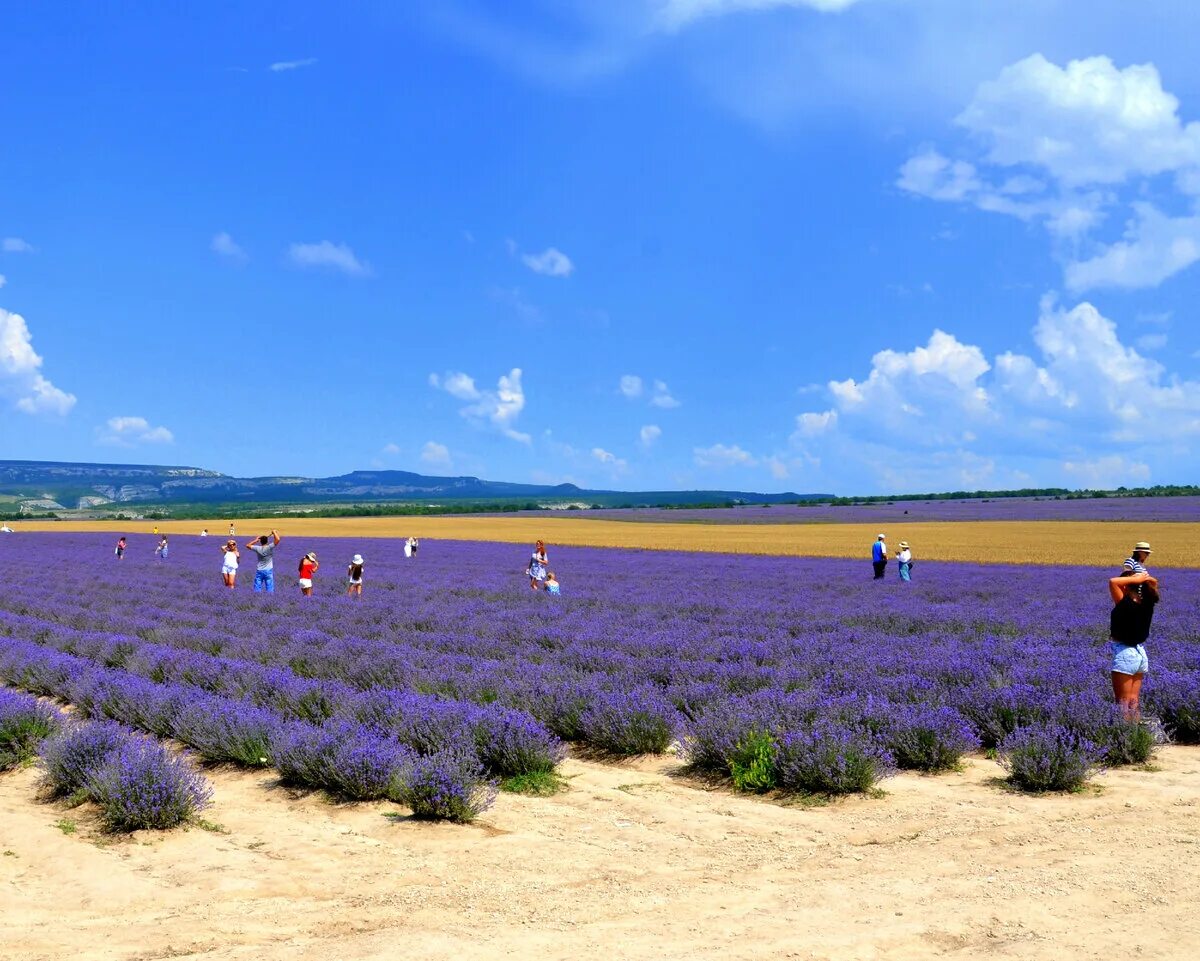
<point x="1135" y="563"/>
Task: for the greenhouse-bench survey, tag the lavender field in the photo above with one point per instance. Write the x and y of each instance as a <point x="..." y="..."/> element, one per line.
<point x="450" y="676"/>
<point x="1182" y="509"/>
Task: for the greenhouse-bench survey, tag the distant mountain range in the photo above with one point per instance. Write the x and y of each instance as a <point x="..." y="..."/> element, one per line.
<point x="51" y="485"/>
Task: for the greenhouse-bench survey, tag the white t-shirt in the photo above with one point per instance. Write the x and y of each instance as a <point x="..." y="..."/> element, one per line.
<point x="905" y="556"/>
<point x="231" y="559"/>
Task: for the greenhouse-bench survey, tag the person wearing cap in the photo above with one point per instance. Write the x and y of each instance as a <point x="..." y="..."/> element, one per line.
<point x="355" y="573"/>
<point x="264" y="570"/>
<point x="879" y="556"/>
<point x="1134" y="597"/>
<point x="229" y="563"/>
<point x="904" y="561"/>
<point x="308" y="567"/>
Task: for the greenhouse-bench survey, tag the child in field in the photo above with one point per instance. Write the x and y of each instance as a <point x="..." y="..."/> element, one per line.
<point x="229" y="563"/>
<point x="552" y="584"/>
<point x="537" y="565"/>
<point x="161" y="550"/>
<point x="308" y="567"/>
<point x="355" y="573"/>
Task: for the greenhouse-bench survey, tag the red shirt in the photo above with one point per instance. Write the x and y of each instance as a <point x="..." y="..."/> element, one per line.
<point x="306" y="570"/>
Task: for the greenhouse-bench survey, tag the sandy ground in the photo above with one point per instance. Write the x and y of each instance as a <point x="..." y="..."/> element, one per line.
<point x="631" y="862"/>
<point x="995" y="542"/>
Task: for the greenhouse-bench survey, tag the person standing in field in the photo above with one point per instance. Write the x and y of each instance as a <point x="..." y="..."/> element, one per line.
<point x="229" y="563"/>
<point x="204" y="533"/>
<point x="156" y="530"/>
<point x="120" y="549"/>
<point x="415" y="544"/>
<point x="308" y="567"/>
<point x="161" y="550"/>
<point x="264" y="570"/>
<point x="1135" y="563"/>
<point x="408" y="547"/>
<point x="231" y="533"/>
<point x="354" y="574"/>
<point x="904" y="561"/>
<point x="537" y="565"/>
<point x="1134" y="598"/>
<point x="879" y="556"/>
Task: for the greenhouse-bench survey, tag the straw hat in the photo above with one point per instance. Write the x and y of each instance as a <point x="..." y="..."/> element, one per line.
<point x="356" y="559"/>
<point x="904" y="545"/>
<point x="1143" y="546"/>
<point x="311" y="555"/>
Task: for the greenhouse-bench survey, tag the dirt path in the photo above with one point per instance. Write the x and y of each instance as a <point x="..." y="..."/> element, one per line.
<point x="631" y="862"/>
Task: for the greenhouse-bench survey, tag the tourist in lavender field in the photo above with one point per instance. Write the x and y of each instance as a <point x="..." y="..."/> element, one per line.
<point x="355" y="573"/>
<point x="1134" y="597"/>
<point x="120" y="548"/>
<point x="161" y="550"/>
<point x="264" y="570"/>
<point x="229" y="563"/>
<point x="415" y="544"/>
<point x="904" y="561"/>
<point x="1135" y="563"/>
<point x="537" y="565"/>
<point x="308" y="567"/>
<point x="552" y="585"/>
<point x="5" y="529"/>
<point x="879" y="556"/>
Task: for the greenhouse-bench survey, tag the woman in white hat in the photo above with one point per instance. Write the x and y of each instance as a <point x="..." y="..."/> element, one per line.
<point x="308" y="567"/>
<point x="904" y="561"/>
<point x="355" y="573"/>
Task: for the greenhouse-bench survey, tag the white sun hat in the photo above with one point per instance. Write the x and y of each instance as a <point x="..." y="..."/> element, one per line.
<point x="356" y="559"/>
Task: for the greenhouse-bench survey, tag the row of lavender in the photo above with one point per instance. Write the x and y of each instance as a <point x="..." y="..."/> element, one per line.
<point x="1131" y="509"/>
<point x="775" y="672"/>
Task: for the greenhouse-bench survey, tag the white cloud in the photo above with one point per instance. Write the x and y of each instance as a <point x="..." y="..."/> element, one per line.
<point x="551" y="262"/>
<point x="609" y="459"/>
<point x="1155" y="247"/>
<point x="814" y="424"/>
<point x="282" y="66"/>
<point x="777" y="467"/>
<point x="499" y="408"/>
<point x="131" y="431"/>
<point x="672" y="15"/>
<point x="1106" y="473"/>
<point x="1152" y="342"/>
<point x="330" y="255"/>
<point x="20" y="371"/>
<point x="662" y="397"/>
<point x="435" y="454"/>
<point x="15" y="245"/>
<point x="1065" y="147"/>
<point x="1086" y="123"/>
<point x="3" y="280"/>
<point x="721" y="456"/>
<point x="391" y="449"/>
<point x="225" y="245"/>
<point x="631" y="385"/>
<point x="649" y="434"/>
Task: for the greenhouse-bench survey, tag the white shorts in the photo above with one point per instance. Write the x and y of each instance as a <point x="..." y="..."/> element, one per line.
<point x="227" y="570"/>
<point x="305" y="583"/>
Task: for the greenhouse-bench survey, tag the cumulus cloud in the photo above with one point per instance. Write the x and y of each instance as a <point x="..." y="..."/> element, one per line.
<point x="631" y="385"/>
<point x="224" y="245"/>
<point x="21" y="371"/>
<point x="391" y="449"/>
<point x="282" y="66"/>
<point x="1085" y="396"/>
<point x="720" y="456"/>
<point x="328" y="255"/>
<point x="551" y="262"/>
<point x="662" y="397"/>
<point x="15" y="245"/>
<point x="435" y="454"/>
<point x="497" y="408"/>
<point x="673" y="15"/>
<point x="1066" y="147"/>
<point x="649" y="434"/>
<point x="132" y="431"/>
<point x="609" y="459"/>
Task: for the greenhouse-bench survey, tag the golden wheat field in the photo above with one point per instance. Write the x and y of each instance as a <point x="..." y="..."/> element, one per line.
<point x="989" y="542"/>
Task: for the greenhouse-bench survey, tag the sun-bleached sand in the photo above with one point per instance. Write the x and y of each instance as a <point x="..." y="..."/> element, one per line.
<point x="632" y="862"/>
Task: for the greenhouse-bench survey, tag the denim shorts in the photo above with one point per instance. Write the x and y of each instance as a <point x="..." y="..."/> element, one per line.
<point x="1129" y="658"/>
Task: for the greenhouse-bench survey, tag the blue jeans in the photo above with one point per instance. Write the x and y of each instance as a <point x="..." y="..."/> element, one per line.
<point x="264" y="581"/>
<point x="904" y="572"/>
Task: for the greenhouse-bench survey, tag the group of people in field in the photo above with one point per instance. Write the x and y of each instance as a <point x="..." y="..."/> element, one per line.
<point x="879" y="559"/>
<point x="263" y="549"/>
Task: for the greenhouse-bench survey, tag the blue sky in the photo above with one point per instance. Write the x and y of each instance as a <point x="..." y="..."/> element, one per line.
<point x="857" y="246"/>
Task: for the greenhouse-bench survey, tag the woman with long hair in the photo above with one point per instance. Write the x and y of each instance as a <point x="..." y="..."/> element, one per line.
<point x="537" y="565"/>
<point x="1134" y="597"/>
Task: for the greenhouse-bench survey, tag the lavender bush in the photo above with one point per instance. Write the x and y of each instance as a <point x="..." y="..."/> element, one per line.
<point x="1050" y="758"/>
<point x="24" y="723"/>
<point x="71" y="757"/>
<point x="141" y="786"/>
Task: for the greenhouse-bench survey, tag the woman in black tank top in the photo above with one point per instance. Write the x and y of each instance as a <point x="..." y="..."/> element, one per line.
<point x="1134" y="597"/>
